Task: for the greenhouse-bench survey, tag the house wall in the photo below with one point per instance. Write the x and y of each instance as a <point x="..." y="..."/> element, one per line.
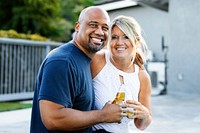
<point x="184" y="46"/>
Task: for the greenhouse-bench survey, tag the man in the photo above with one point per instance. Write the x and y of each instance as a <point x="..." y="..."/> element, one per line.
<point x="64" y="96"/>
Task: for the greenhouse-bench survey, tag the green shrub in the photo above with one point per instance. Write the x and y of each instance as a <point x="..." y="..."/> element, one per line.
<point x="15" y="34"/>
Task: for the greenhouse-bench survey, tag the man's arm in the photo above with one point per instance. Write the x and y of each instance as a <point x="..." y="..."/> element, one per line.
<point x="57" y="117"/>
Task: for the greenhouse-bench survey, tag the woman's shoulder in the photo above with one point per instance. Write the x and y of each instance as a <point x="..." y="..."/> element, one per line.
<point x="143" y="75"/>
<point x="101" y="53"/>
<point x="98" y="62"/>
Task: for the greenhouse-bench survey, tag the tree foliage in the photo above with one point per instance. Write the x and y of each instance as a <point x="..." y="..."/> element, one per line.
<point x="72" y="8"/>
<point x="51" y="18"/>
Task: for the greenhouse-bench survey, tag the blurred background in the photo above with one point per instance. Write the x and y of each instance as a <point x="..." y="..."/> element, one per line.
<point x="170" y="27"/>
<point x="29" y="29"/>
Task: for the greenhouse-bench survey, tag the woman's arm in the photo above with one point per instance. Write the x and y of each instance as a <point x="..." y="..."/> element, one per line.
<point x="142" y="109"/>
<point x="145" y="100"/>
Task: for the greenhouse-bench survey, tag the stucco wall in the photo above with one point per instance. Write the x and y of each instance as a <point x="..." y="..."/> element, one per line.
<point x="184" y="46"/>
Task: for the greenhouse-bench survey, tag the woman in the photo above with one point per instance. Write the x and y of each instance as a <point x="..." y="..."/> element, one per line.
<point x="123" y="64"/>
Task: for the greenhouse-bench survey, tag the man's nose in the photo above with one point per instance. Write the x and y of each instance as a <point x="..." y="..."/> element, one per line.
<point x="99" y="31"/>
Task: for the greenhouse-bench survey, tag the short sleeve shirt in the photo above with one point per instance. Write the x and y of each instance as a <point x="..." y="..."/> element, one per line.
<point x="64" y="78"/>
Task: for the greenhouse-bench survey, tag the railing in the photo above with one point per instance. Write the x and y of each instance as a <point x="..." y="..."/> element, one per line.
<point x="19" y="64"/>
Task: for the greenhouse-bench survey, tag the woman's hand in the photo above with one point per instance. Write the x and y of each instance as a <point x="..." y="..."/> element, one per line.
<point x="137" y="110"/>
<point x="141" y="114"/>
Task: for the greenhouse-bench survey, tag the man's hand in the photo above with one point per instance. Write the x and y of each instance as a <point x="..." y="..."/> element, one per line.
<point x="112" y="112"/>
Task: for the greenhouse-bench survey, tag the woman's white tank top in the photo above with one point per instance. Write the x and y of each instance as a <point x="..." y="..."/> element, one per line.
<point x="106" y="85"/>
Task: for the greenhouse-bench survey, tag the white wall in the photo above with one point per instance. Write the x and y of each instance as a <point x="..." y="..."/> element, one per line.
<point x="184" y="46"/>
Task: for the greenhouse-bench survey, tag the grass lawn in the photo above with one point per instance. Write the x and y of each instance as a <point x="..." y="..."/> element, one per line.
<point x="7" y="106"/>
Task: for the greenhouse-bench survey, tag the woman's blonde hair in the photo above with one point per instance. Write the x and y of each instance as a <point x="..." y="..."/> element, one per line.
<point x="133" y="31"/>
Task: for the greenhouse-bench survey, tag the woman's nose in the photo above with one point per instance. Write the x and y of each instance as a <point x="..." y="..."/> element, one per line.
<point x="120" y="41"/>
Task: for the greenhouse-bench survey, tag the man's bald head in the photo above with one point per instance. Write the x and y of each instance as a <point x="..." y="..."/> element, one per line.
<point x="92" y="10"/>
<point x="92" y="30"/>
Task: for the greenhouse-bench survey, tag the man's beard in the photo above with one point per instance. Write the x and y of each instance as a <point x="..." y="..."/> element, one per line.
<point x="95" y="48"/>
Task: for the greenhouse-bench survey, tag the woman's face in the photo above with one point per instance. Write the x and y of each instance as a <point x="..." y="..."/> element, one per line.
<point x="120" y="45"/>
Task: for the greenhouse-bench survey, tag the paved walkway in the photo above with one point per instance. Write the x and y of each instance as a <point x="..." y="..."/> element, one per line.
<point x="15" y="121"/>
<point x="176" y="114"/>
<point x="171" y="114"/>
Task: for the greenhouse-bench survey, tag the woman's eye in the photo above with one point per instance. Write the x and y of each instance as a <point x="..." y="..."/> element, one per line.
<point x="126" y="37"/>
<point x="113" y="37"/>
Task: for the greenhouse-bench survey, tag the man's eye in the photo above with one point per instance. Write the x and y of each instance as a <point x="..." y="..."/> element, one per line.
<point x="92" y="25"/>
<point x="105" y="28"/>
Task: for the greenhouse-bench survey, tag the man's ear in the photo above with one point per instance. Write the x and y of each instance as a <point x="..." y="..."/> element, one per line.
<point x="76" y="26"/>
